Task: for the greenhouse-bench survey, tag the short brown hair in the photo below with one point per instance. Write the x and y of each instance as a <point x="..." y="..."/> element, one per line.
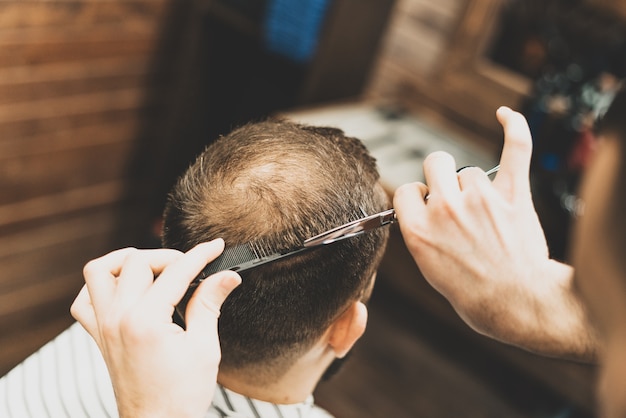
<point x="281" y="182"/>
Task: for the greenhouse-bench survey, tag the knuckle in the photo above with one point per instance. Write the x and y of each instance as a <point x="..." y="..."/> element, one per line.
<point x="97" y="264"/>
<point x="132" y="254"/>
<point x="403" y="193"/>
<point x="91" y="267"/>
<point x="75" y="310"/>
<point x="402" y="190"/>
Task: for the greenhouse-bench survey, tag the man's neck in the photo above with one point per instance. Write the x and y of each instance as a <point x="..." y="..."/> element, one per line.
<point x="293" y="387"/>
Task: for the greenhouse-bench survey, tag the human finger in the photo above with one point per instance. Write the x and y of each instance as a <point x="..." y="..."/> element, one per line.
<point x="204" y="306"/>
<point x="470" y="177"/>
<point x="100" y="276"/>
<point x="173" y="282"/>
<point x="82" y="310"/>
<point x="513" y="176"/>
<point x="139" y="270"/>
<point x="409" y="202"/>
<point x="440" y="174"/>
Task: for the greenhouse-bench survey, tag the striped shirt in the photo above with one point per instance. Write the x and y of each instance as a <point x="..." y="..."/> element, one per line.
<point x="227" y="403"/>
<point x="68" y="377"/>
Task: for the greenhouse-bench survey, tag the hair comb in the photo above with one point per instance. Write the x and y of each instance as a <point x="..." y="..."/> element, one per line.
<point x="244" y="257"/>
<point x="251" y="255"/>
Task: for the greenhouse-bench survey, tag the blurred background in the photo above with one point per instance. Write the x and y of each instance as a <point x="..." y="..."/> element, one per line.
<point x="104" y="103"/>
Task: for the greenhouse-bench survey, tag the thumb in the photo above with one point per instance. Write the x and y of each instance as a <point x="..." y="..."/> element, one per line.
<point x="204" y="307"/>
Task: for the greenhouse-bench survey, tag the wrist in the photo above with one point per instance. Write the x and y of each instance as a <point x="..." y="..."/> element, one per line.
<point x="559" y="326"/>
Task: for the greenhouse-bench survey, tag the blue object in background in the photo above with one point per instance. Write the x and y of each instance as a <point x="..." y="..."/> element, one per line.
<point x="292" y="27"/>
<point x="550" y="162"/>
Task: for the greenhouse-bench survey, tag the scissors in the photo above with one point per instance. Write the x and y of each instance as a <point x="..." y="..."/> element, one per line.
<point x="367" y="223"/>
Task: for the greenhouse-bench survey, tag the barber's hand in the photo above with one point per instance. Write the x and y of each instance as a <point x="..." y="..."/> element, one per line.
<point x="157" y="368"/>
<point x="480" y="244"/>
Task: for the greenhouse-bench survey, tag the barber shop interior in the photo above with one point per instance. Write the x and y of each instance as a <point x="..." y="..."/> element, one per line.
<point x="104" y="104"/>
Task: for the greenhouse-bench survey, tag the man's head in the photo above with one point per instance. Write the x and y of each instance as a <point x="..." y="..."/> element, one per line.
<point x="278" y="183"/>
<point x="599" y="253"/>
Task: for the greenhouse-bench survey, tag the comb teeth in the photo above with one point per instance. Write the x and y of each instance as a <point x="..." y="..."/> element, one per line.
<point x="238" y="258"/>
<point x="231" y="257"/>
<point x="244" y="257"/>
<point x="258" y="250"/>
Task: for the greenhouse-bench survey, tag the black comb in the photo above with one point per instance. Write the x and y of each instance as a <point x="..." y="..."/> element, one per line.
<point x="243" y="257"/>
<point x="239" y="258"/>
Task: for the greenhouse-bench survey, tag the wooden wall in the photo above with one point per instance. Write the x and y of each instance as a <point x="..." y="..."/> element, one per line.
<point x="76" y="83"/>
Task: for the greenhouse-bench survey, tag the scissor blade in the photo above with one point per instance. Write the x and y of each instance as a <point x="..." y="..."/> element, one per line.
<point x="352" y="229"/>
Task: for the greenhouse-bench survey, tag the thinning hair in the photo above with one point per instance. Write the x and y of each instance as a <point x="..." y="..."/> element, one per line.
<point x="279" y="183"/>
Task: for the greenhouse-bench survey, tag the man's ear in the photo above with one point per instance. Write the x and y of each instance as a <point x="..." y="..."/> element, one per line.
<point x="347" y="329"/>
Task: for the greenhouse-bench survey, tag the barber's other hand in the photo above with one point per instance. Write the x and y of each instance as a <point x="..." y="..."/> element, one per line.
<point x="157" y="368"/>
<point x="480" y="244"/>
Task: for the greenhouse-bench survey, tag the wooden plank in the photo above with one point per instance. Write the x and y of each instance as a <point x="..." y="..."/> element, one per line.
<point x="16" y="54"/>
<point x="71" y="200"/>
<point x="36" y="82"/>
<point x="122" y="34"/>
<point x="26" y="300"/>
<point x="123" y="130"/>
<point x="51" y="14"/>
<point x="37" y="176"/>
<point x="77" y="227"/>
<point x="29" y="127"/>
<point x="68" y="71"/>
<point x="131" y="98"/>
<point x="33" y="92"/>
<point x="30" y="266"/>
<point x="124" y="30"/>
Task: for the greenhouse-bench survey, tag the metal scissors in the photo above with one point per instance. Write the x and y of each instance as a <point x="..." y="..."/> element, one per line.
<point x="352" y="229"/>
<point x="367" y="223"/>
